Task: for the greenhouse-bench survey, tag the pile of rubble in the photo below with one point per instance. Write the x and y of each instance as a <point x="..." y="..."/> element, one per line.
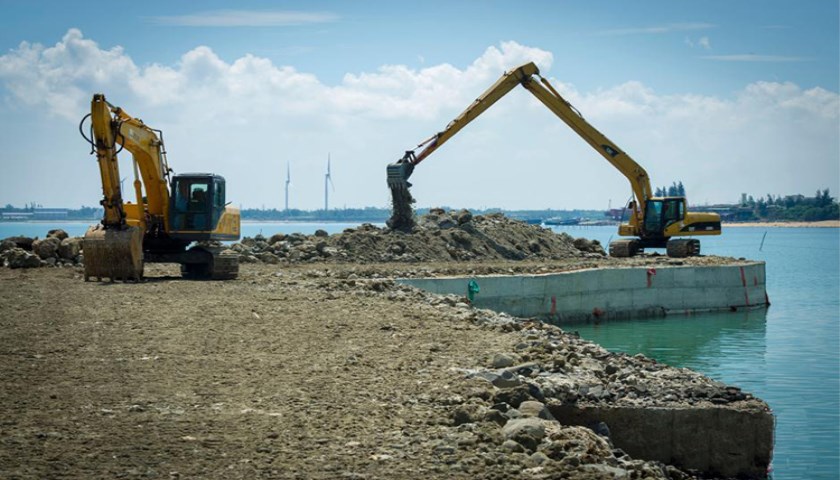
<point x="57" y="249"/>
<point x="437" y="236"/>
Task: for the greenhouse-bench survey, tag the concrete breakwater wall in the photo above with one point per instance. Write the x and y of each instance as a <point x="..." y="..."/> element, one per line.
<point x="716" y="439"/>
<point x="611" y="293"/>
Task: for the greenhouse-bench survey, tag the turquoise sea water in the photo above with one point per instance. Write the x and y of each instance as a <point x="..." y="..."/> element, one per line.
<point x="788" y="355"/>
<point x="249" y="229"/>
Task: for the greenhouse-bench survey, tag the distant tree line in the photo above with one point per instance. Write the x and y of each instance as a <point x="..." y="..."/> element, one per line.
<point x="675" y="190"/>
<point x="822" y="206"/>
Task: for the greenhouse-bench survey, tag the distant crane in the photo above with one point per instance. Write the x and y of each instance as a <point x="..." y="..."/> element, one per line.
<point x="327" y="184"/>
<point x="288" y="182"/>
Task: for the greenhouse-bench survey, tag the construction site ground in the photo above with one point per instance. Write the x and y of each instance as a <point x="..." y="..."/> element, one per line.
<point x="290" y="371"/>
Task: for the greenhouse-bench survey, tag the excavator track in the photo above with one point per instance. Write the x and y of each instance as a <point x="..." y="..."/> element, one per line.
<point x="216" y="263"/>
<point x="683" y="247"/>
<point x="624" y="248"/>
<point x="115" y="254"/>
<point x="225" y="265"/>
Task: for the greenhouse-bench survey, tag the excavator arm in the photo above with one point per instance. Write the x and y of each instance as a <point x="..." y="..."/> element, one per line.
<point x="528" y="76"/>
<point x="114" y="248"/>
<point x="402" y="217"/>
<point x="113" y="130"/>
<point x="638" y="177"/>
<point x="502" y="87"/>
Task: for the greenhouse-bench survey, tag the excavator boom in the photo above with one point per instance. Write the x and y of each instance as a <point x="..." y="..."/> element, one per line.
<point x="653" y="220"/>
<point x="114" y="248"/>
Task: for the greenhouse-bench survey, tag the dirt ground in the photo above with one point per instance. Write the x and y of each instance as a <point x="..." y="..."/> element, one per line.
<point x="301" y="371"/>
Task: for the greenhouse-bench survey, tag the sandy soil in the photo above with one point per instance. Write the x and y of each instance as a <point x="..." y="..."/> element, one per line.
<point x="287" y="372"/>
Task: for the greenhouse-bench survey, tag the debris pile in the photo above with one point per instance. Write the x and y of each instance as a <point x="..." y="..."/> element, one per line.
<point x="438" y="236"/>
<point x="57" y="249"/>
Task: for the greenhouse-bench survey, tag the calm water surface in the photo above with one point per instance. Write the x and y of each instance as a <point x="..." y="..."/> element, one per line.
<point x="788" y="355"/>
<point x="249" y="229"/>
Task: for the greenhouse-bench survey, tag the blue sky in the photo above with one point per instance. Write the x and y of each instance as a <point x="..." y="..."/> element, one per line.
<point x="661" y="78"/>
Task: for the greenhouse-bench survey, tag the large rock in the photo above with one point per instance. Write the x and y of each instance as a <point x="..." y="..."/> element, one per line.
<point x="7" y="245"/>
<point x="502" y="360"/>
<point x="590" y="246"/>
<point x="267" y="257"/>
<point x="277" y="237"/>
<point x="57" y="233"/>
<point x="527" y="431"/>
<point x="20" y="258"/>
<point x="535" y="409"/>
<point x="46" y="248"/>
<point x="22" y="242"/>
<point x="70" y="248"/>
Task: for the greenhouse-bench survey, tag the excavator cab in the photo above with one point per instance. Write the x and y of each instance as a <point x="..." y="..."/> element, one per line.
<point x="197" y="204"/>
<point x="662" y="212"/>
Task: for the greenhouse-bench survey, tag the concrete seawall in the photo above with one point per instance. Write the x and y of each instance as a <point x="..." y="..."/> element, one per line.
<point x="612" y="293"/>
<point x="717" y="440"/>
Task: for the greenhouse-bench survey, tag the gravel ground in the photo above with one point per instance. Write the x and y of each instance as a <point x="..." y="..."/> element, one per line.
<point x="305" y="371"/>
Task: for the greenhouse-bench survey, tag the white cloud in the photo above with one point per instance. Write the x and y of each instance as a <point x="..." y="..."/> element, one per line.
<point x="245" y="18"/>
<point x="702" y="42"/>
<point x="54" y="76"/>
<point x="246" y="119"/>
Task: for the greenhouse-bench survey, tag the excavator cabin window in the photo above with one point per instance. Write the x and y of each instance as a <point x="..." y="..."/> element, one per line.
<point x="661" y="213"/>
<point x="192" y="204"/>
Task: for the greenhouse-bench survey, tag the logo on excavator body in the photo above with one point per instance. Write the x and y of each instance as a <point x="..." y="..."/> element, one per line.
<point x="610" y="150"/>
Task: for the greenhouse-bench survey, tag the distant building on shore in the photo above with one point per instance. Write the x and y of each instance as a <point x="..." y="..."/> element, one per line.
<point x="36" y="214"/>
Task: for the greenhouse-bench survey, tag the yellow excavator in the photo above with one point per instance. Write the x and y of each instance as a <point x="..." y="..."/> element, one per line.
<point x="653" y="221"/>
<point x="171" y="211"/>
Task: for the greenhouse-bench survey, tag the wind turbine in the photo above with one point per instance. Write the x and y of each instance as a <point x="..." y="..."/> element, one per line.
<point x="327" y="183"/>
<point x="288" y="182"/>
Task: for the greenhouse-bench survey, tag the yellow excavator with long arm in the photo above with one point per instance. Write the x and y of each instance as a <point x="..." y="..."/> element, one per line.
<point x="653" y="221"/>
<point x="171" y="211"/>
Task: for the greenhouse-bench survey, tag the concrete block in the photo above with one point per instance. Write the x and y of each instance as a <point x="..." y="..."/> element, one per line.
<point x="712" y="439"/>
<point x="616" y="292"/>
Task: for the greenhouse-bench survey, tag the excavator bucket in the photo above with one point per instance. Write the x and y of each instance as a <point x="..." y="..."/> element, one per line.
<point x="402" y="213"/>
<point x="398" y="174"/>
<point x="116" y="254"/>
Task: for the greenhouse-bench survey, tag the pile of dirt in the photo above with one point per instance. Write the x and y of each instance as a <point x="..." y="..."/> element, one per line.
<point x="438" y="236"/>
